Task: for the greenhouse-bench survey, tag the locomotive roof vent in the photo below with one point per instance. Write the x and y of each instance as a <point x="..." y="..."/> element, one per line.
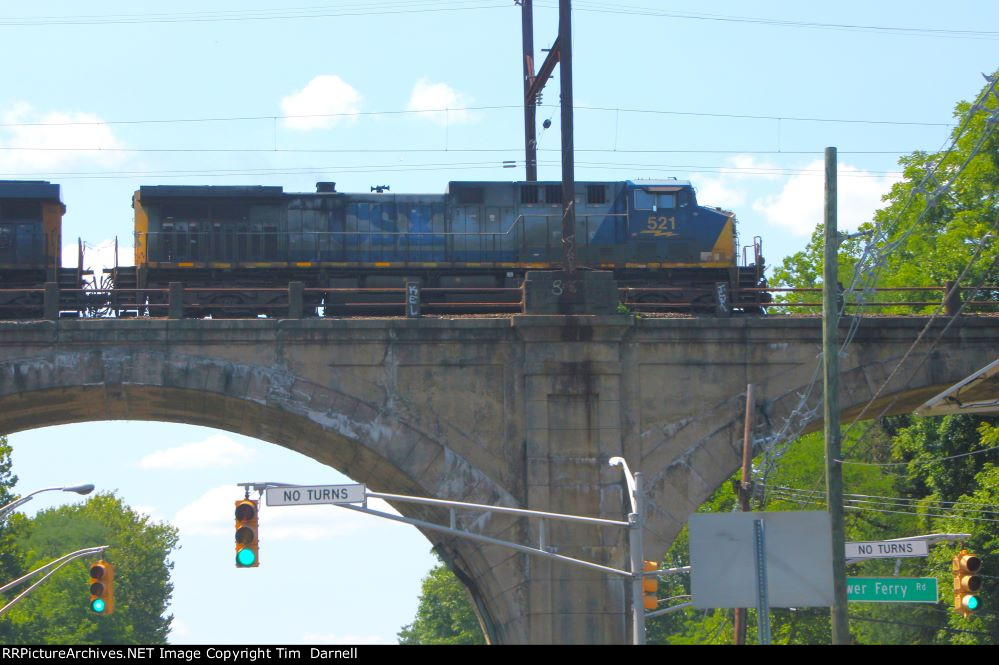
<point x="325" y="187"/>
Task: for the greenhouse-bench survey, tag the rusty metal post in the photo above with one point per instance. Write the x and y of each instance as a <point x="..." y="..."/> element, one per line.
<point x="568" y="160"/>
<point x="744" y="489"/>
<point x="530" y="101"/>
<point x="952" y="298"/>
<point x="51" y="301"/>
<point x="296" y="300"/>
<point x="175" y="309"/>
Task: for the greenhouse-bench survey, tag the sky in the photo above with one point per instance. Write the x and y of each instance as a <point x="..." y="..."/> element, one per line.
<point x="739" y="99"/>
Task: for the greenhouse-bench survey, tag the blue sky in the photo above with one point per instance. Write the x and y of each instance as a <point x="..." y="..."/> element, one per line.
<point x="740" y="99"/>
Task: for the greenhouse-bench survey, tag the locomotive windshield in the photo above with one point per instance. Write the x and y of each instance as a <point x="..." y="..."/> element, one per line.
<point x="645" y="200"/>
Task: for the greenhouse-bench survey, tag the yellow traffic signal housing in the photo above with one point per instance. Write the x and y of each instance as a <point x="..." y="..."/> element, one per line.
<point x="247" y="546"/>
<point x="967" y="582"/>
<point x="650" y="585"/>
<point x="102" y="588"/>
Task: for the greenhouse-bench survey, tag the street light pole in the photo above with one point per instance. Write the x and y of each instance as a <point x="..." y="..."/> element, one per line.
<point x="79" y="489"/>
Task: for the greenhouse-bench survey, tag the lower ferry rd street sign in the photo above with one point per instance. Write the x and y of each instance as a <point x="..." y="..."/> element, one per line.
<point x="314" y="495"/>
<point x="891" y="589"/>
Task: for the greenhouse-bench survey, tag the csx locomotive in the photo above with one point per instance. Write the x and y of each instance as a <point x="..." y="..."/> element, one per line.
<point x="477" y="234"/>
<point x="31" y="214"/>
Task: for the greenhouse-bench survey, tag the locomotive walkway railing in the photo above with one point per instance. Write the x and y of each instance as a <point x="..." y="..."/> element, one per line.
<point x="296" y="301"/>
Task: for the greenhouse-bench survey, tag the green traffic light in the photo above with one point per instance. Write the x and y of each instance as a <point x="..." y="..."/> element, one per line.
<point x="97" y="605"/>
<point x="246" y="557"/>
<point x="971" y="602"/>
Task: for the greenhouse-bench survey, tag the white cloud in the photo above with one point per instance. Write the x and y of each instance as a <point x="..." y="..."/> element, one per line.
<point x="731" y="188"/>
<point x="719" y="193"/>
<point x="216" y="451"/>
<point x="212" y="514"/>
<point x="38" y="141"/>
<point x="319" y="104"/>
<point x="432" y="98"/>
<point x="799" y="205"/>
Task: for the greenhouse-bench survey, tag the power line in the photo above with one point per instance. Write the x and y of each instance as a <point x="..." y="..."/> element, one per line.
<point x="895" y="499"/>
<point x="784" y="23"/>
<point x="491" y="107"/>
<point x="366" y="9"/>
<point x="436" y="166"/>
<point x="887" y="502"/>
<point x="386" y="8"/>
<point x="849" y="504"/>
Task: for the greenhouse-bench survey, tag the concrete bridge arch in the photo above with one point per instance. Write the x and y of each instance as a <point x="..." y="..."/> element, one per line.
<point x="521" y="411"/>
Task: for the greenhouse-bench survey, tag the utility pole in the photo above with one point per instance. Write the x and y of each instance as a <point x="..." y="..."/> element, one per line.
<point x="830" y="385"/>
<point x="530" y="101"/>
<point x="560" y="54"/>
<point x="568" y="160"/>
<point x="744" y="490"/>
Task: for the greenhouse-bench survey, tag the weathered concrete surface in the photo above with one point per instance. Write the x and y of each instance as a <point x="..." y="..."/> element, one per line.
<point x="522" y="411"/>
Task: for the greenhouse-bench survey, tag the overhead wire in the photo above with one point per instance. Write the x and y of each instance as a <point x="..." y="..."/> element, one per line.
<point x="491" y="107"/>
<point x="386" y="8"/>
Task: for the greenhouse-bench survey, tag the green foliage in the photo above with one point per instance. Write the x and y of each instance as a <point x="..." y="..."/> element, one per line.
<point x="927" y="234"/>
<point x="11" y="560"/>
<point x="57" y="611"/>
<point x="444" y="615"/>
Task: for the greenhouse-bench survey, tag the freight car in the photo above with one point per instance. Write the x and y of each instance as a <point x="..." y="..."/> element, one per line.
<point x="239" y="240"/>
<point x="31" y="213"/>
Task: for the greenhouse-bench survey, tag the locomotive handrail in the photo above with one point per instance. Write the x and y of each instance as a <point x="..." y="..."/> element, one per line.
<point x="518" y="220"/>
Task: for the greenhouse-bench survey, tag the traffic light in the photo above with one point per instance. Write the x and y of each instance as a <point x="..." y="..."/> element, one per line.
<point x="102" y="588"/>
<point x="246" y="534"/>
<point x="967" y="582"/>
<point x="650" y="585"/>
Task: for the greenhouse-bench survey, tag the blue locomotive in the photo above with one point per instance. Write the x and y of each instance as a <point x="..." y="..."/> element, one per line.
<point x="31" y="213"/>
<point x="477" y="234"/>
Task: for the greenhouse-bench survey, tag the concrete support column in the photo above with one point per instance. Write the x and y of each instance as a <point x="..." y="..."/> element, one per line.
<point x="572" y="420"/>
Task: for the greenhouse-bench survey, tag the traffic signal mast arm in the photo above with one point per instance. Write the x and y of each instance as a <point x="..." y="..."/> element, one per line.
<point x="58" y="563"/>
<point x="544" y="550"/>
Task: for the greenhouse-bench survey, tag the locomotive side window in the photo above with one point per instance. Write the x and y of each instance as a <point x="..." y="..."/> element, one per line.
<point x="644" y="200"/>
<point x="596" y="195"/>
<point x="667" y="201"/>
<point x="553" y="194"/>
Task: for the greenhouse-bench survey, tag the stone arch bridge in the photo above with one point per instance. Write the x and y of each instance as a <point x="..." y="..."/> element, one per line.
<point x="521" y="411"/>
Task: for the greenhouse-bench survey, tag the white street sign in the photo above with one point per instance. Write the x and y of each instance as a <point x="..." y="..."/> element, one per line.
<point x="798" y="558"/>
<point x="887" y="549"/>
<point x="314" y="495"/>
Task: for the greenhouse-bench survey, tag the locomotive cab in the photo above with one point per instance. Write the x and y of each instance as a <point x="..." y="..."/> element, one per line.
<point x="30" y="230"/>
<point x="667" y="226"/>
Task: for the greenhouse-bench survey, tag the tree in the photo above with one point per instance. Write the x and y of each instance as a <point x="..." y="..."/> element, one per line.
<point x="57" y="612"/>
<point x="11" y="561"/>
<point x="933" y="227"/>
<point x="444" y="615"/>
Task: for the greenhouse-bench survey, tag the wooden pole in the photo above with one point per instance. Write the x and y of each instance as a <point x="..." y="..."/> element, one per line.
<point x="830" y="356"/>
